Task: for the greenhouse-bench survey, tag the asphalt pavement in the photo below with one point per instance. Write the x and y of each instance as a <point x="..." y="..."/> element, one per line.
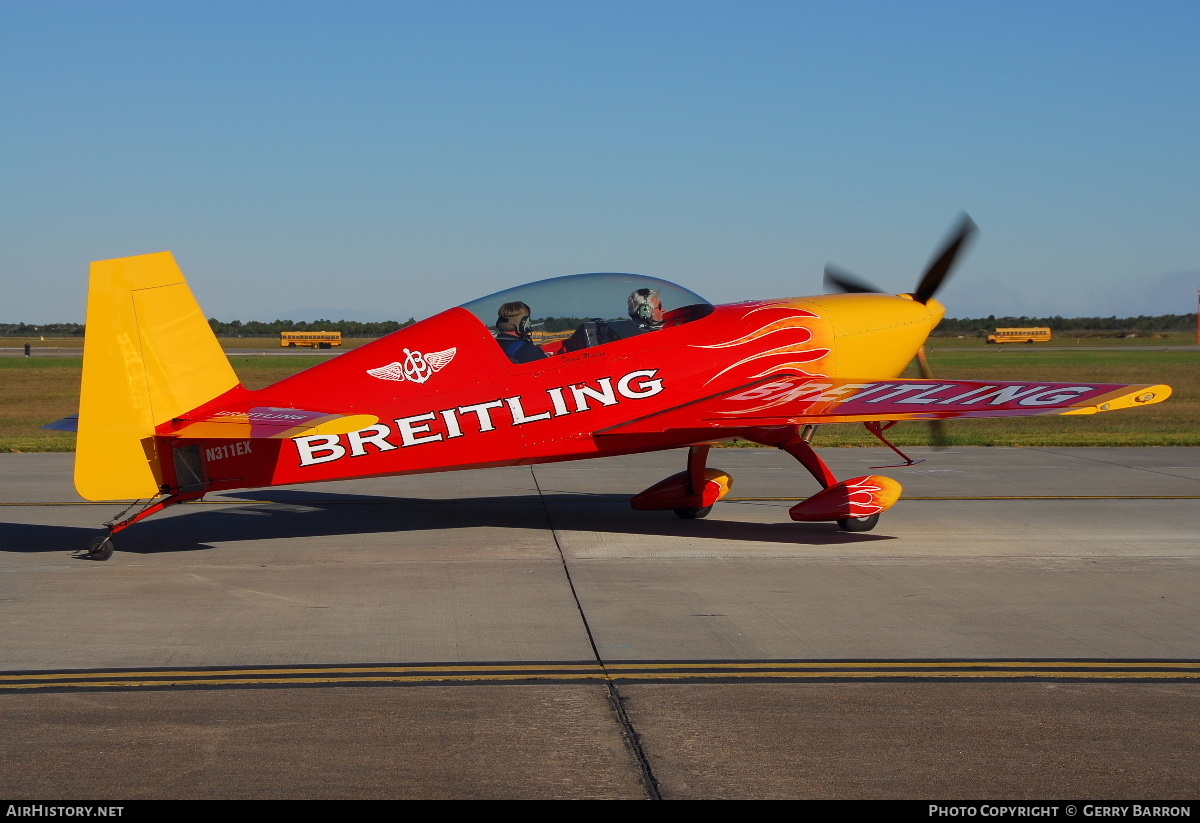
<point x="1023" y="624"/>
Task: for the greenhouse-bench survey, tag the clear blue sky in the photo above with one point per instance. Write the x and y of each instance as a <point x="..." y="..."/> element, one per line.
<point x="380" y="160"/>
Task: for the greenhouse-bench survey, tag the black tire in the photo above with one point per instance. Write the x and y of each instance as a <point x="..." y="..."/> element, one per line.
<point x="693" y="514"/>
<point x="101" y="548"/>
<point x="858" y="524"/>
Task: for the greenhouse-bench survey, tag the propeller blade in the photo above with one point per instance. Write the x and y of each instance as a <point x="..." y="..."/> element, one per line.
<point x="923" y="364"/>
<point x="937" y="434"/>
<point x="937" y="428"/>
<point x="843" y="281"/>
<point x="939" y="269"/>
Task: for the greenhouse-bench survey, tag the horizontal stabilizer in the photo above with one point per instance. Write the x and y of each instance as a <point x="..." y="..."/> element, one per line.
<point x="802" y="400"/>
<point x="67" y="424"/>
<point x="269" y="422"/>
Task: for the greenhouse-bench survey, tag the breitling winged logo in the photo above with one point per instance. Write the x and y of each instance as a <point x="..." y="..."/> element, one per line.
<point x="416" y="366"/>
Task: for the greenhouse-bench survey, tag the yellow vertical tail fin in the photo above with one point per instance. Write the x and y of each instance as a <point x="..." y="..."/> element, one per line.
<point x="148" y="355"/>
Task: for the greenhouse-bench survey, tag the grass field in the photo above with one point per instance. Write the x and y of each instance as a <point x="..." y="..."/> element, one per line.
<point x="234" y="344"/>
<point x="38" y="390"/>
<point x="228" y="343"/>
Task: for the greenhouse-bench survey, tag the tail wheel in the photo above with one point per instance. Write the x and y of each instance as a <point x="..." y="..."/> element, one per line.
<point x="101" y="548"/>
<point x="688" y="513"/>
<point x="858" y="524"/>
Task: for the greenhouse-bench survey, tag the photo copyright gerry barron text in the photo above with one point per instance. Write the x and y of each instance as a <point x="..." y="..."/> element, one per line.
<point x="1127" y="810"/>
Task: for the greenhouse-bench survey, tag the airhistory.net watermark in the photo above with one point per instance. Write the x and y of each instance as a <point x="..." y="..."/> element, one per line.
<point x="44" y="810"/>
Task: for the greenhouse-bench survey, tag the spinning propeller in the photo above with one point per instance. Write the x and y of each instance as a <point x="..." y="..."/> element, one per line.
<point x="931" y="281"/>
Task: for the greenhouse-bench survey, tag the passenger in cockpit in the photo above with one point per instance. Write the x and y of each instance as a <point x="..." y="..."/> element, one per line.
<point x="513" y="333"/>
<point x="646" y="310"/>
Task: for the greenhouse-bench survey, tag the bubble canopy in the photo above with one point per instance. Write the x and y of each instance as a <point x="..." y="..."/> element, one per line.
<point x="601" y="295"/>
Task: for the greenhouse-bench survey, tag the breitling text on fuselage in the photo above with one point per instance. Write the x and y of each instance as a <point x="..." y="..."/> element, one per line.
<point x="477" y="418"/>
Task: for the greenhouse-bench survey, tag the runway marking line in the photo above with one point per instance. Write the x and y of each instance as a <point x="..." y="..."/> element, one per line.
<point x="628" y="671"/>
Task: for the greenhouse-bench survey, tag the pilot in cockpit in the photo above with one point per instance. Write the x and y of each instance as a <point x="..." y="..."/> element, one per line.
<point x="513" y="333"/>
<point x="646" y="310"/>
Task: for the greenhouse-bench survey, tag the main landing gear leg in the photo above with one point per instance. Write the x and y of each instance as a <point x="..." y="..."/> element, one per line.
<point x="101" y="547"/>
<point x="799" y="448"/>
<point x="697" y="461"/>
<point x="690" y="493"/>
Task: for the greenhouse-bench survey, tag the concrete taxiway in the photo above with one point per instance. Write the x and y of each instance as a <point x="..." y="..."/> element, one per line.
<point x="1025" y="623"/>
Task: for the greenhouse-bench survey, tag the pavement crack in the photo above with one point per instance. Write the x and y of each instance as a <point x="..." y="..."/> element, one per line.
<point x="632" y="739"/>
<point x="612" y="691"/>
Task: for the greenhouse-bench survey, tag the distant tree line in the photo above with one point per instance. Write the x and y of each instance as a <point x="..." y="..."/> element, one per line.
<point x="558" y="323"/>
<point x="42" y="330"/>
<point x="348" y="328"/>
<point x="234" y="328"/>
<point x="950" y="326"/>
<point x="1084" y="326"/>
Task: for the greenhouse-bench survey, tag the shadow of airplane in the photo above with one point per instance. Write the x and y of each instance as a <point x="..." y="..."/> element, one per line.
<point x="284" y="513"/>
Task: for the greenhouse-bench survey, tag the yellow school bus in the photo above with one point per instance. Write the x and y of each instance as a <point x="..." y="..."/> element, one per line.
<point x="310" y="339"/>
<point x="1034" y="335"/>
<point x="540" y="338"/>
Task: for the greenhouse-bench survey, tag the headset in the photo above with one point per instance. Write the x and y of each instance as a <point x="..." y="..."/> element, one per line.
<point x="523" y="326"/>
<point x="645" y="312"/>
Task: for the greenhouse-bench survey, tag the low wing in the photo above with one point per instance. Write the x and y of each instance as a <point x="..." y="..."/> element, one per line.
<point x="268" y="422"/>
<point x="802" y="400"/>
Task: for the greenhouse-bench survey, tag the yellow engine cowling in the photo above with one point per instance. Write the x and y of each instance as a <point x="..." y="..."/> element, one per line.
<point x="875" y="336"/>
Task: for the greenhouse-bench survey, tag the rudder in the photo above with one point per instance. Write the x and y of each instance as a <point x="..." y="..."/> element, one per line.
<point x="148" y="355"/>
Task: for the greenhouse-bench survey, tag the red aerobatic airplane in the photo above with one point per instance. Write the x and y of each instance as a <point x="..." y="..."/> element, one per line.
<point x="164" y="418"/>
